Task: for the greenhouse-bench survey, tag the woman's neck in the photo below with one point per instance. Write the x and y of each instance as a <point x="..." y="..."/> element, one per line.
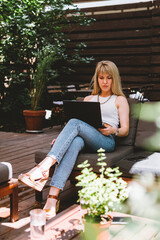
<point x="105" y="94"/>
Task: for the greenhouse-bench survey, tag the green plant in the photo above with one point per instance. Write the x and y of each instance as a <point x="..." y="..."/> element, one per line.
<point x="41" y="77"/>
<point x="100" y="194"/>
<point x="34" y="34"/>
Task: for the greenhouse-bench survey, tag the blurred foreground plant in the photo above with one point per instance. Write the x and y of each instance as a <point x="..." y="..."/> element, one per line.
<point x="149" y="114"/>
<point x="101" y="194"/>
<point x="144" y="197"/>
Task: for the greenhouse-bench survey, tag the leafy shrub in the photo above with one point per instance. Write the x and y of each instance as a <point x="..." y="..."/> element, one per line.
<point x="33" y="32"/>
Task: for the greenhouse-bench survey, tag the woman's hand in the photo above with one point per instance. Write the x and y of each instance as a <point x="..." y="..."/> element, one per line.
<point x="108" y="130"/>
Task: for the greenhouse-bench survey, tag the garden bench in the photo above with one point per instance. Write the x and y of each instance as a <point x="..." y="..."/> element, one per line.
<point x="129" y="150"/>
<point x="69" y="91"/>
<point x="72" y="91"/>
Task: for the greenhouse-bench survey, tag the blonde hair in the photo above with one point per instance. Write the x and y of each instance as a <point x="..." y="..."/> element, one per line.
<point x="110" y="68"/>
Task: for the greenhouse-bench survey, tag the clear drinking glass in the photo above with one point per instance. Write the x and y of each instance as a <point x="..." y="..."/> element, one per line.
<point x="37" y="224"/>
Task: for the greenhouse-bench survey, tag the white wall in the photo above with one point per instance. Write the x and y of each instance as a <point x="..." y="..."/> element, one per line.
<point x="108" y="3"/>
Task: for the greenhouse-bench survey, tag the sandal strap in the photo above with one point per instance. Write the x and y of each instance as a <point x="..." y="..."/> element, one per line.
<point x="44" y="172"/>
<point x="53" y="196"/>
<point x="43" y="177"/>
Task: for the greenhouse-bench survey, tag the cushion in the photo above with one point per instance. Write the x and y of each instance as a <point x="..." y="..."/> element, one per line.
<point x="148" y="134"/>
<point x="141" y="162"/>
<point x="112" y="158"/>
<point x="130" y="139"/>
<point x="5" y="171"/>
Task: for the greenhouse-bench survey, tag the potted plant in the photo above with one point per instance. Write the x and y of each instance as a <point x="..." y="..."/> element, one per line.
<point x="35" y="116"/>
<point x="100" y="195"/>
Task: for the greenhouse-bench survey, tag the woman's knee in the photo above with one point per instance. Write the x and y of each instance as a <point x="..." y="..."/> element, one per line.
<point x="74" y="121"/>
<point x="110" y="147"/>
<point x="78" y="142"/>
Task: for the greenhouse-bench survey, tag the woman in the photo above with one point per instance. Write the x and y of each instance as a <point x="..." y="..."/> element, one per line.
<point x="77" y="134"/>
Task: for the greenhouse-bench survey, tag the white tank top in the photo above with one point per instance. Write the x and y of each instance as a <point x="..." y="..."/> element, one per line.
<point x="109" y="110"/>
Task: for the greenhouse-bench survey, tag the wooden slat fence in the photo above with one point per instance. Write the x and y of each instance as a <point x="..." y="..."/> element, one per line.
<point x="128" y="35"/>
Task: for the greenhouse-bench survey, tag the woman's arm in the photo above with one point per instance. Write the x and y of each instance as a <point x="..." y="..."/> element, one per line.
<point x="123" y="111"/>
<point x="88" y="98"/>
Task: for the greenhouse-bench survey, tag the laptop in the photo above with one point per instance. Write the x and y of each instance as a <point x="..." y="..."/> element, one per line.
<point x="89" y="112"/>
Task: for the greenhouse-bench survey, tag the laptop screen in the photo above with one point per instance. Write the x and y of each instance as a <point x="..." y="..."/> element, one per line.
<point x="88" y="112"/>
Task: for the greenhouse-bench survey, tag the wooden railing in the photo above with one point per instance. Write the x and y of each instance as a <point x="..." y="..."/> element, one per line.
<point x="71" y="92"/>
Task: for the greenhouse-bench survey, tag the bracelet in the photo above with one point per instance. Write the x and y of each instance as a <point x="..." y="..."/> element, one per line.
<point x="117" y="131"/>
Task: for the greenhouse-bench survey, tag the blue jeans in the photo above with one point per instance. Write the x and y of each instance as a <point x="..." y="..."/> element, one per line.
<point x="73" y="138"/>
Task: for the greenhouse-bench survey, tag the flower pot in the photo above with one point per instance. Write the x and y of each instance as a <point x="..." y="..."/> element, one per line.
<point x="34" y="120"/>
<point x="96" y="231"/>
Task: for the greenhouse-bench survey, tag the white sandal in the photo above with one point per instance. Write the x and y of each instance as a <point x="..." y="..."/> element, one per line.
<point x="50" y="213"/>
<point x="35" y="183"/>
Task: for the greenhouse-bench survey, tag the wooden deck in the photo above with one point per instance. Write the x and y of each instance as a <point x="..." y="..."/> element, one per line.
<point x="19" y="149"/>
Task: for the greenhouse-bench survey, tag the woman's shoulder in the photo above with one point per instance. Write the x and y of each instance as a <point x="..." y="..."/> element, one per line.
<point x="121" y="100"/>
<point x="88" y="98"/>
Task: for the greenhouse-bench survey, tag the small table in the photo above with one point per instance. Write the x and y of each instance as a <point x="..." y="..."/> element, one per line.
<point x="67" y="225"/>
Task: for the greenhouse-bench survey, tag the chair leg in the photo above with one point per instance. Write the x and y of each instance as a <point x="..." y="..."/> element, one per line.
<point x="11" y="188"/>
<point x="39" y="196"/>
<point x="14" y="204"/>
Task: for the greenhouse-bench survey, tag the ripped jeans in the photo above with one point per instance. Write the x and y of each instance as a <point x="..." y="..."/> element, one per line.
<point x="73" y="138"/>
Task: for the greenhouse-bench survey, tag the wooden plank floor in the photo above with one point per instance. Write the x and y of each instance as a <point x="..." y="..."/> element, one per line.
<point x="19" y="150"/>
